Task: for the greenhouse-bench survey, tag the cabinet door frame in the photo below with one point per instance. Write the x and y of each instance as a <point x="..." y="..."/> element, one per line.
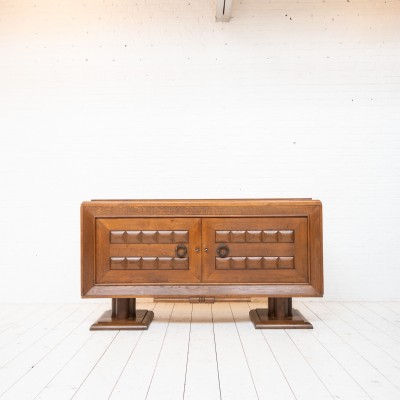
<point x="122" y="258"/>
<point x="262" y="250"/>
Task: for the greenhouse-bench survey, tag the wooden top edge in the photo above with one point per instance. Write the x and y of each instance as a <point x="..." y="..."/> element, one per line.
<point x="259" y="201"/>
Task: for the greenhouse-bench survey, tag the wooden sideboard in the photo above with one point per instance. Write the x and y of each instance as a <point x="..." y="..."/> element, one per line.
<point x="205" y="248"/>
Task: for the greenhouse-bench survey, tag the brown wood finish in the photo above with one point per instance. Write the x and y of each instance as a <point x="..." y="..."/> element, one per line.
<point x="255" y="258"/>
<point x="279" y="315"/>
<point x="200" y="299"/>
<point x="123" y="316"/>
<point x="202" y="248"/>
<point x="158" y="262"/>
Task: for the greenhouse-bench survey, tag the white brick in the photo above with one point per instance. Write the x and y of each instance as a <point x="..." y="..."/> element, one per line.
<point x="154" y="99"/>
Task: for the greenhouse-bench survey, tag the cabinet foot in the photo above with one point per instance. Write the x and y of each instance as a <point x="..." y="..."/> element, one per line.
<point x="278" y="315"/>
<point x="123" y="316"/>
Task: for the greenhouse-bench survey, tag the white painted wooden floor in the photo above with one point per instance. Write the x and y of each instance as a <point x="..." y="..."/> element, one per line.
<point x="201" y="351"/>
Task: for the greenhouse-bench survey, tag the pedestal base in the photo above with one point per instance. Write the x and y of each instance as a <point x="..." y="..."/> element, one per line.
<point x="260" y="319"/>
<point x="124" y="316"/>
<point x="107" y="322"/>
<point x="278" y="315"/>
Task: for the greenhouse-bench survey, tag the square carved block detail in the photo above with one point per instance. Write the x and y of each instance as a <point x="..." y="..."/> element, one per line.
<point x="257" y="236"/>
<point x="149" y="263"/>
<point x="148" y="237"/>
<point x="254" y="263"/>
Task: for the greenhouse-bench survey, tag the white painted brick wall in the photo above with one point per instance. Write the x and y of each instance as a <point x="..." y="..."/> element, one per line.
<point x="153" y="99"/>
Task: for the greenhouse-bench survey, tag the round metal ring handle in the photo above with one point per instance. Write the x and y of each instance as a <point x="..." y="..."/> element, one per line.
<point x="181" y="250"/>
<point x="223" y="250"/>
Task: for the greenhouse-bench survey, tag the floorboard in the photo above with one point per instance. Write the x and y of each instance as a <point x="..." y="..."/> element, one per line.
<point x="385" y="312"/>
<point x="137" y="375"/>
<point x="25" y="320"/>
<point x="375" y="319"/>
<point x="36" y="335"/>
<point x="269" y="380"/>
<point x="168" y="381"/>
<point x="67" y="381"/>
<point x="348" y="329"/>
<point x="331" y="373"/>
<point x="201" y="381"/>
<point x="28" y="358"/>
<point x="364" y="327"/>
<point x="236" y="381"/>
<point x="394" y="306"/>
<point x="201" y="351"/>
<point x="372" y="381"/>
<point x="31" y="383"/>
<point x="8" y="310"/>
<point x="306" y="385"/>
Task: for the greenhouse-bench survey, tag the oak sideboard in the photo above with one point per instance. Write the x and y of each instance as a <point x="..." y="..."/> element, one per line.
<point x="204" y="248"/>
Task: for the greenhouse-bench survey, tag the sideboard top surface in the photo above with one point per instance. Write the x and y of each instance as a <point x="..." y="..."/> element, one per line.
<point x="292" y="201"/>
<point x="201" y="207"/>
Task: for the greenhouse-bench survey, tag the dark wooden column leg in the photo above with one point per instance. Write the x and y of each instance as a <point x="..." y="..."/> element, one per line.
<point x="123" y="316"/>
<point x="122" y="309"/>
<point x="278" y="315"/>
<point x="113" y="308"/>
<point x="132" y="308"/>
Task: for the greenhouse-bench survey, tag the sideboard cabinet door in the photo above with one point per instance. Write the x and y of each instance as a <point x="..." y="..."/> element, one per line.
<point x="148" y="250"/>
<point x="255" y="250"/>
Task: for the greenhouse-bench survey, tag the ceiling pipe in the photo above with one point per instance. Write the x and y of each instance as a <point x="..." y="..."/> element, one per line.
<point x="223" y="12"/>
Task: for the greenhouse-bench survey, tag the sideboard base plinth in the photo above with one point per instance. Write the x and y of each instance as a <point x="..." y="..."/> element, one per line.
<point x="124" y="316"/>
<point x="140" y="322"/>
<point x="279" y="315"/>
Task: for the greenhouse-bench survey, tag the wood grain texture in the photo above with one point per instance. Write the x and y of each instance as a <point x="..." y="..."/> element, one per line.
<point x="298" y="250"/>
<point x="214" y="290"/>
<point x="288" y="231"/>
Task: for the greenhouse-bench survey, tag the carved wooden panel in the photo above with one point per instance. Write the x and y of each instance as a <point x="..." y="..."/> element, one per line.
<point x="254" y="262"/>
<point x="257" y="236"/>
<point x="147" y="250"/>
<point x="149" y="263"/>
<point x="252" y="250"/>
<point x="132" y="237"/>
